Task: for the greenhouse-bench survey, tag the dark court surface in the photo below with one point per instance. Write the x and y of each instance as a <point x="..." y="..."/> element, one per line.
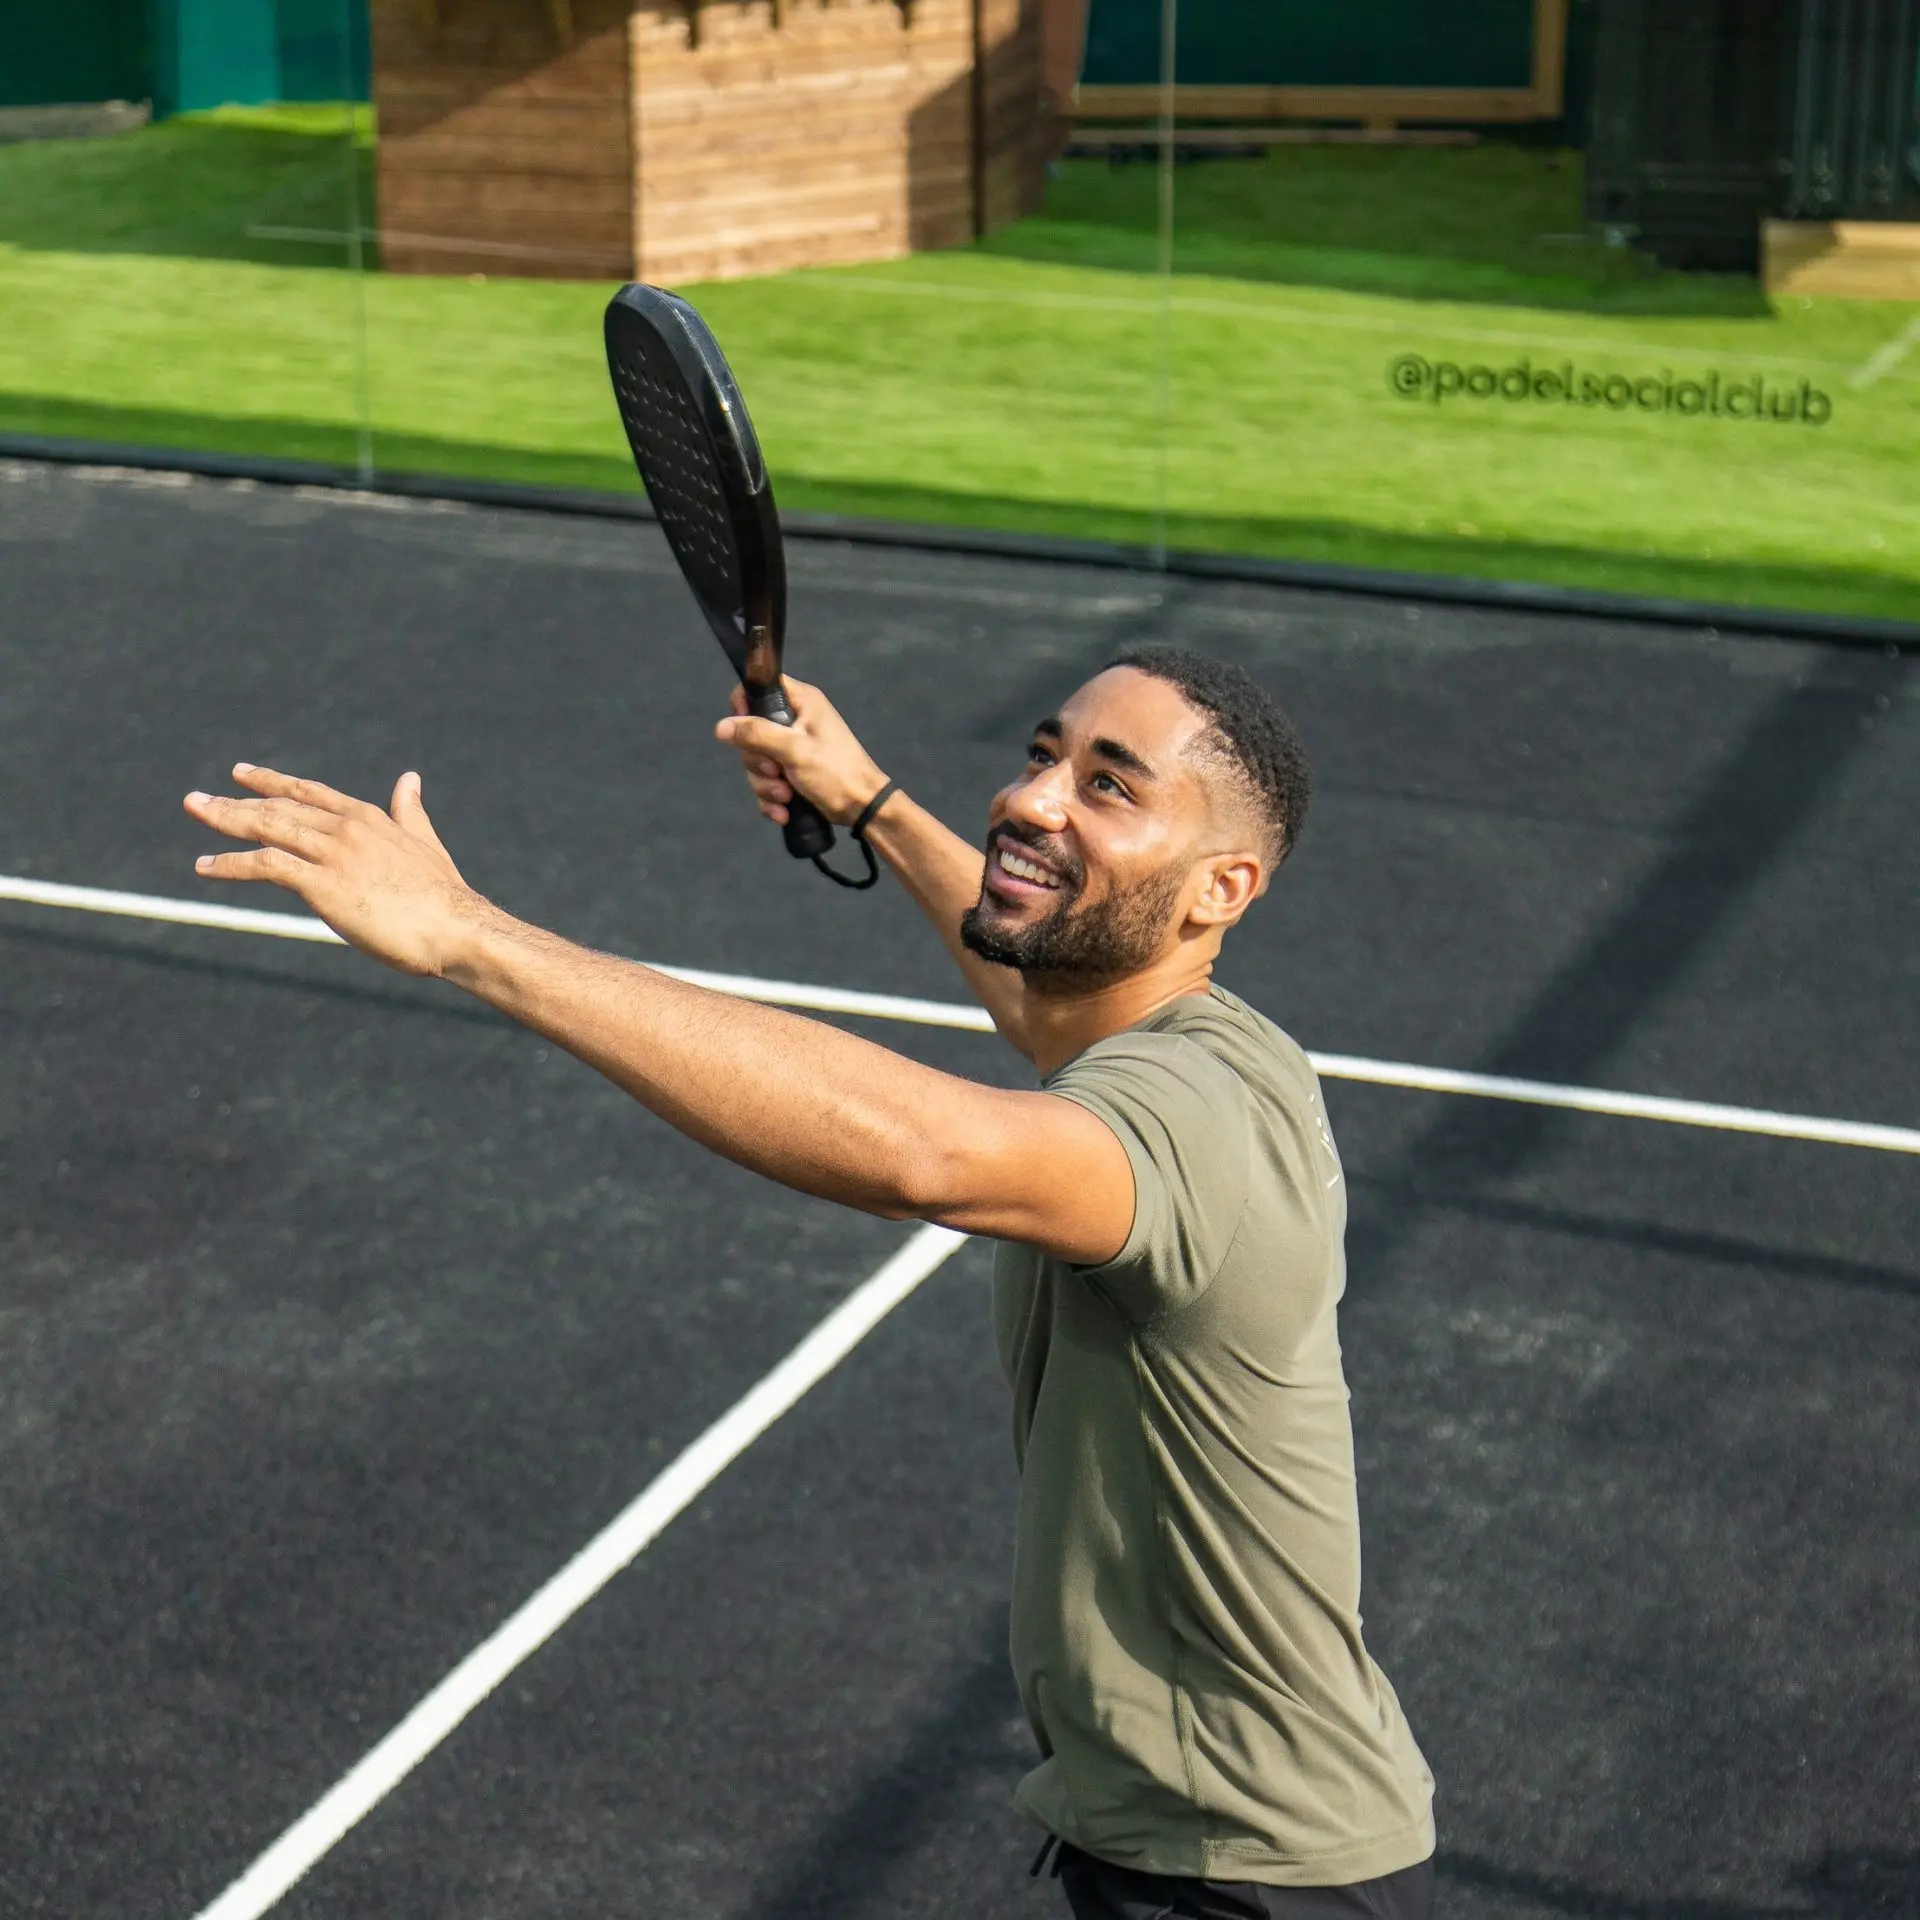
<point x="335" y="1314"/>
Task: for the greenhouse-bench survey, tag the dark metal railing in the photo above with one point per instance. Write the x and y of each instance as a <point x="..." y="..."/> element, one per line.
<point x="1856" y="134"/>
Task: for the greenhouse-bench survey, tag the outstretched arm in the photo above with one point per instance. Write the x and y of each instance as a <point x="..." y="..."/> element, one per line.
<point x="820" y="756"/>
<point x="799" y="1101"/>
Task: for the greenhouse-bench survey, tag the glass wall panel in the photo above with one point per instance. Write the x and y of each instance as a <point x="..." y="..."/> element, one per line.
<point x="929" y="321"/>
<point x="501" y="221"/>
<point x="179" y="241"/>
<point x="1489" y="290"/>
<point x="1483" y="289"/>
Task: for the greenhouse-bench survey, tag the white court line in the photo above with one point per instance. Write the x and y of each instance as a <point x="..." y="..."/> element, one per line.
<point x="154" y="906"/>
<point x="1889" y="356"/>
<point x="1630" y="1106"/>
<point x="946" y="1013"/>
<point x="299" y="926"/>
<point x="347" y="1803"/>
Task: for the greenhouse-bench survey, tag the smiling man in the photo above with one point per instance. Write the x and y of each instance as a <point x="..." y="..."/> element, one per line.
<point x="1214" y="1738"/>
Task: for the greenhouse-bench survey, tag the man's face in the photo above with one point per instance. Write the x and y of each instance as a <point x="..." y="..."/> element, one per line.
<point x="1091" y="853"/>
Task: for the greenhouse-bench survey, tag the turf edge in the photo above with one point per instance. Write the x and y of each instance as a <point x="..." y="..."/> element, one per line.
<point x="1325" y="576"/>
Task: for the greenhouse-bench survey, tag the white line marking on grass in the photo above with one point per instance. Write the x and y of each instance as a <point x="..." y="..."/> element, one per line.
<point x="1889" y="356"/>
<point x="346" y="1804"/>
<point x="948" y="1013"/>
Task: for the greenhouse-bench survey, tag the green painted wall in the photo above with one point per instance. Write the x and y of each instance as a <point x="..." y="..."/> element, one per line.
<point x="182" y="54"/>
<point x="325" y="50"/>
<point x="1380" y="43"/>
<point x="213" y="53"/>
<point x="73" y="52"/>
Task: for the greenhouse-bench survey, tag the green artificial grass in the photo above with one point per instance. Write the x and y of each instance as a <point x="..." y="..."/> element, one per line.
<point x="204" y="186"/>
<point x="1048" y="380"/>
<point x="1495" y="223"/>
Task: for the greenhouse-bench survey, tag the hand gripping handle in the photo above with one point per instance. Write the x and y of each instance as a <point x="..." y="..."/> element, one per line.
<point x="806" y="833"/>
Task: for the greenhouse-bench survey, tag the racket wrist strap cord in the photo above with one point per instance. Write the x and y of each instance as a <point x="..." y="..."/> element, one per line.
<point x="857" y="833"/>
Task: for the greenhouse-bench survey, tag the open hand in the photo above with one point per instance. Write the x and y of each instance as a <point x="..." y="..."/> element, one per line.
<point x="817" y="756"/>
<point x="382" y="881"/>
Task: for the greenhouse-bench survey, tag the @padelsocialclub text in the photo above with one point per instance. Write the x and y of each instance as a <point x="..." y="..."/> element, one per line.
<point x="1711" y="395"/>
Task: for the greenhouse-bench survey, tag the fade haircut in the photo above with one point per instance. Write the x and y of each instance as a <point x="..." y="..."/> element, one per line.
<point x="1245" y="729"/>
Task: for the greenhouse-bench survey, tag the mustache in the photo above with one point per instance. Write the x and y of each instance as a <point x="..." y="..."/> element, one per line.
<point x="1048" y="847"/>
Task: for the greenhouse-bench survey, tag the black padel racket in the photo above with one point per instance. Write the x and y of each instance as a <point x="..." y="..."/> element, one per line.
<point x="701" y="466"/>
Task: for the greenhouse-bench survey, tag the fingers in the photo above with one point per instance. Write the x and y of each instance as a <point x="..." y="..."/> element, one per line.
<point x="285" y="786"/>
<point x="289" y="825"/>
<point x="410" y="816"/>
<point x="409" y="810"/>
<point x="749" y="735"/>
<point x="265" y="863"/>
<point x="766" y="776"/>
<point x="381" y="881"/>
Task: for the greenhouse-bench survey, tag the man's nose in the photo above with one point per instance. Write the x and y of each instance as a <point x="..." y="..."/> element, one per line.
<point x="1041" y="800"/>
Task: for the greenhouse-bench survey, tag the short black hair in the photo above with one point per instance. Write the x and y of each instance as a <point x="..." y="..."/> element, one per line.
<point x="1247" y="726"/>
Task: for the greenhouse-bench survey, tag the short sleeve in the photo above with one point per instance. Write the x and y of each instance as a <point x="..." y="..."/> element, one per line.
<point x="1185" y="1120"/>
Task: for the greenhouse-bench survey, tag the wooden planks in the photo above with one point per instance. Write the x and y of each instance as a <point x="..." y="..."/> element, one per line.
<point x="504" y="144"/>
<point x="839" y="134"/>
<point x="1013" y="115"/>
<point x="669" y="141"/>
<point x="1843" y="259"/>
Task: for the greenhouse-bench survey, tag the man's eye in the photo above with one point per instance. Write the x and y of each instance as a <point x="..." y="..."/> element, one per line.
<point x="1108" y="784"/>
<point x="1038" y="756"/>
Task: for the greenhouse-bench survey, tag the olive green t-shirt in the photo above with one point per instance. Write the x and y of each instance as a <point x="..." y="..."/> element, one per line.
<point x="1186" y="1623"/>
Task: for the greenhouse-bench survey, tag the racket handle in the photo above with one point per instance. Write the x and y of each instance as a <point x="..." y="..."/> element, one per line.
<point x="807" y="832"/>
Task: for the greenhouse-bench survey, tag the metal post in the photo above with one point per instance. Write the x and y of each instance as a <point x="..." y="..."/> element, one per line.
<point x="356" y="253"/>
<point x="1169" y="35"/>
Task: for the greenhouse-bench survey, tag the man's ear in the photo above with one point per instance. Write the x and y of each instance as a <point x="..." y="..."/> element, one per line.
<point x="1230" y="884"/>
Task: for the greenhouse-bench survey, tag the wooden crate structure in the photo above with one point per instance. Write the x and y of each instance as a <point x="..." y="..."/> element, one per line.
<point x="1842" y="259"/>
<point x="671" y="141"/>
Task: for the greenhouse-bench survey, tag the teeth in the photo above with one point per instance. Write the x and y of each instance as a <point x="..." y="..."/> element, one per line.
<point x="1024" y="869"/>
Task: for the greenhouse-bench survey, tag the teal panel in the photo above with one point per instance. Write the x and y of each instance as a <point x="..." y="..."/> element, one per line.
<point x="324" y="50"/>
<point x="78" y="52"/>
<point x="1327" y="43"/>
<point x="213" y="53"/>
<point x="224" y="53"/>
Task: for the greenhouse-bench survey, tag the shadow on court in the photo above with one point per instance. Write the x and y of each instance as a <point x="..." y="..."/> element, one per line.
<point x="1718" y="854"/>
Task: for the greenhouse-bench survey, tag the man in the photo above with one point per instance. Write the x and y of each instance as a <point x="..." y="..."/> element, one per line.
<point x="1214" y="1738"/>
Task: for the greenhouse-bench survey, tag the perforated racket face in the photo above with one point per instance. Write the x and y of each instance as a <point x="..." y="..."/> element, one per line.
<point x="702" y="470"/>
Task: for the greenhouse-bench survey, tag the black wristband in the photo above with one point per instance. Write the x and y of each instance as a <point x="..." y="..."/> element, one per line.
<point x="866" y="815"/>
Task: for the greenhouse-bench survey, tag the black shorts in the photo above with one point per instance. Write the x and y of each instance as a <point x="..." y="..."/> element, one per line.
<point x="1098" y="1891"/>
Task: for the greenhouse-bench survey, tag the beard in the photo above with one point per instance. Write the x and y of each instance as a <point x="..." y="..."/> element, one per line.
<point x="1106" y="941"/>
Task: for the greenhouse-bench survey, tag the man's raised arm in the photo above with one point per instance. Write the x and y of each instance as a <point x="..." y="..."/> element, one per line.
<point x="820" y="755"/>
<point x="801" y="1102"/>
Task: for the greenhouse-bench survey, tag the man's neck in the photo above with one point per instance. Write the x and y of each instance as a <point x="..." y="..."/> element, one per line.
<point x="1060" y="1024"/>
